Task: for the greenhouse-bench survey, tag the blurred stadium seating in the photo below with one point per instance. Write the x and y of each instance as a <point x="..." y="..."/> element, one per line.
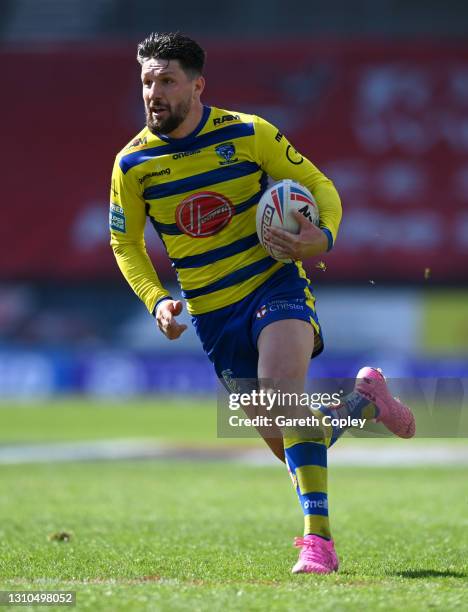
<point x="376" y="95"/>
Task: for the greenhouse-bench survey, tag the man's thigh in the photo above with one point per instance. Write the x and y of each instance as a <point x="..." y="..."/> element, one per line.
<point x="284" y="351"/>
<point x="262" y="335"/>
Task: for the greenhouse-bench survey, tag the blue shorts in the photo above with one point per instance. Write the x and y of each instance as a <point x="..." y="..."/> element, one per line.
<point x="229" y="335"/>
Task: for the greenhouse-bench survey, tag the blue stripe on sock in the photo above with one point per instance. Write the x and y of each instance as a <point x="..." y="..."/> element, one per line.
<point x="306" y="453"/>
<point x="355" y="403"/>
<point x="314" y="503"/>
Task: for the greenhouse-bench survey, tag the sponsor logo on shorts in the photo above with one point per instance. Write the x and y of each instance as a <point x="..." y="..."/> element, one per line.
<point x="280" y="305"/>
<point x="231" y="383"/>
<point x="203" y="214"/>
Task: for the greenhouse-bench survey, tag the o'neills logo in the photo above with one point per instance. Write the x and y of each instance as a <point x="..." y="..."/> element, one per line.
<point x="204" y="214"/>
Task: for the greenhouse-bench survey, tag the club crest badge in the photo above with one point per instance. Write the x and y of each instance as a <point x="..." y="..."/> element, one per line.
<point x="227" y="152"/>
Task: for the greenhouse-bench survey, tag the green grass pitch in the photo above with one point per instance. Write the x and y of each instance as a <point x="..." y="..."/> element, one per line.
<point x="154" y="535"/>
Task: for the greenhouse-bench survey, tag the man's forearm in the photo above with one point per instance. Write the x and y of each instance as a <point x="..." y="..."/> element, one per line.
<point x="136" y="266"/>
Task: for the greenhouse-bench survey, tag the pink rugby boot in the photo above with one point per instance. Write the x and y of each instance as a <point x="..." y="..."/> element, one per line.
<point x="396" y="417"/>
<point x="317" y="556"/>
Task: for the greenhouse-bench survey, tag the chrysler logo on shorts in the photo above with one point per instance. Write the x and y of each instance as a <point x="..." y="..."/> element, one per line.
<point x="203" y="214"/>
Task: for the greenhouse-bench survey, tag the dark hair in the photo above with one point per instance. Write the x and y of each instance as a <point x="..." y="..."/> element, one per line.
<point x="173" y="46"/>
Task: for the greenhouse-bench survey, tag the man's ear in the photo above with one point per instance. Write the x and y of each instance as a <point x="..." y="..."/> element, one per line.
<point x="199" y="86"/>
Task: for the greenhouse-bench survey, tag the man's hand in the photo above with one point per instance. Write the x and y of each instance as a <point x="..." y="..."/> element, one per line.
<point x="166" y="318"/>
<point x="309" y="242"/>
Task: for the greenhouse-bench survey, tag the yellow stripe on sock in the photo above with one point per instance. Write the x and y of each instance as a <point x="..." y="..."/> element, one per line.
<point x="369" y="411"/>
<point x="312" y="479"/>
<point x="317" y="524"/>
<point x="292" y="439"/>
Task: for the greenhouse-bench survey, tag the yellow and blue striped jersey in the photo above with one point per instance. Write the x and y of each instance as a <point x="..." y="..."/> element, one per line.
<point x="200" y="193"/>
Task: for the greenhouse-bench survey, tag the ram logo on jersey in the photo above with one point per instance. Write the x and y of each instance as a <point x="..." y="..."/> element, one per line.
<point x="221" y="120"/>
<point x="138" y="142"/>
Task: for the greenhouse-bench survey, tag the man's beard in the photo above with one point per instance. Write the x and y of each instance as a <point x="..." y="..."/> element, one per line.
<point x="171" y="122"/>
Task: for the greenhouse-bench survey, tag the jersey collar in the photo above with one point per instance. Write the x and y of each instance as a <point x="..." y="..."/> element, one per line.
<point x="187" y="139"/>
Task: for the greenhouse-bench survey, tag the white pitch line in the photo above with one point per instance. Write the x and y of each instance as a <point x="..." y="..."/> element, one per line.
<point x="349" y="455"/>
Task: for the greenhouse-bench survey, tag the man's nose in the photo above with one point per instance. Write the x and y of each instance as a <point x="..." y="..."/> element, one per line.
<point x="154" y="92"/>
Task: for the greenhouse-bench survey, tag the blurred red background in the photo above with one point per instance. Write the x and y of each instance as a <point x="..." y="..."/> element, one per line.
<point x="387" y="122"/>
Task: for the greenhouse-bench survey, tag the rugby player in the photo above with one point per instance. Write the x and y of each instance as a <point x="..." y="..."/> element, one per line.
<point x="196" y="173"/>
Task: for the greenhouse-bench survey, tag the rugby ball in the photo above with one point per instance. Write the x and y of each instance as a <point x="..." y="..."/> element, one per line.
<point x="275" y="210"/>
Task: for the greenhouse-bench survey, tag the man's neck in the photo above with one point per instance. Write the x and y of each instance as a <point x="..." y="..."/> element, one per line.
<point x="190" y="122"/>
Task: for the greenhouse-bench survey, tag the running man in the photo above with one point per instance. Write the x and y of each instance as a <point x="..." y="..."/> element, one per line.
<point x="197" y="173"/>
